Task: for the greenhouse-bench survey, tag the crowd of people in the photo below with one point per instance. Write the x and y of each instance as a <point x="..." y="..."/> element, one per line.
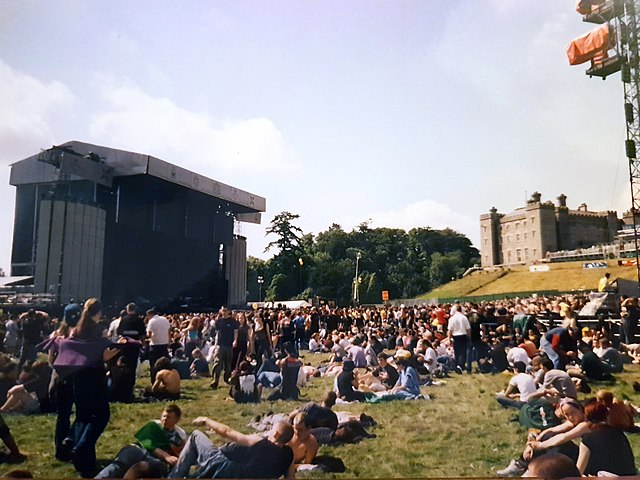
<point x="373" y="354"/>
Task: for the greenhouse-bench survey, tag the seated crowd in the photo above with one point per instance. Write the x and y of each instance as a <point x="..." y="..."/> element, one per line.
<point x="373" y="355"/>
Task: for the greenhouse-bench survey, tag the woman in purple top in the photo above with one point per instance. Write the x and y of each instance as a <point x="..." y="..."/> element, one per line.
<point x="82" y="357"/>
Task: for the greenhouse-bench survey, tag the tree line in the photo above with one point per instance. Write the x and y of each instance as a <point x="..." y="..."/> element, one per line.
<point x="406" y="264"/>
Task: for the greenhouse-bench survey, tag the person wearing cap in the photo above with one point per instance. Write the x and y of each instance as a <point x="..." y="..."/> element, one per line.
<point x="522" y="382"/>
<point x="72" y="313"/>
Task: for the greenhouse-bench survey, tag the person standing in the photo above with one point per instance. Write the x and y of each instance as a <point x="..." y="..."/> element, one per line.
<point x="11" y="336"/>
<point x="132" y="326"/>
<point x="261" y="339"/>
<point x="72" y="313"/>
<point x="226" y="340"/>
<point x="244" y="341"/>
<point x="459" y="332"/>
<point x="32" y="327"/>
<point x="158" y="328"/>
<point x="82" y="356"/>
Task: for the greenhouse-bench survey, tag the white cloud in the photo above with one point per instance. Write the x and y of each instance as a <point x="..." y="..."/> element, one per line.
<point x="26" y="112"/>
<point x="137" y="121"/>
<point x="425" y="213"/>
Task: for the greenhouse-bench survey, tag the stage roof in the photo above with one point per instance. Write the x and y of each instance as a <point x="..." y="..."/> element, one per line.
<point x="119" y="163"/>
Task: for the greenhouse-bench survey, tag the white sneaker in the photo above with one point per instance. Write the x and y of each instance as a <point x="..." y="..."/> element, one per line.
<point x="515" y="469"/>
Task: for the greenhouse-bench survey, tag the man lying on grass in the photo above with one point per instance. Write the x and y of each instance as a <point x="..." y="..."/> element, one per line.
<point x="159" y="443"/>
<point x="247" y="456"/>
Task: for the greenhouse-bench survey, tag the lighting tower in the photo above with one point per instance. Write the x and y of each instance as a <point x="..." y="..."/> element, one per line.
<point x="622" y="18"/>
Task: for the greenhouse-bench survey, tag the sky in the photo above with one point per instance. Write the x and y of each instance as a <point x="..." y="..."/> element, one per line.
<point x="407" y="113"/>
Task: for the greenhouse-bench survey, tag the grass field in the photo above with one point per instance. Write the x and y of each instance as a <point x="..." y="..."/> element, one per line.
<point x="460" y="432"/>
<point x="563" y="277"/>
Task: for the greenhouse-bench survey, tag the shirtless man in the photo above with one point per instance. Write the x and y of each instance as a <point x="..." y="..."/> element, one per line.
<point x="167" y="383"/>
<point x="303" y="444"/>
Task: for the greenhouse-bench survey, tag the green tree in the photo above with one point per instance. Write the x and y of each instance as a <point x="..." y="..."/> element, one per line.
<point x="288" y="235"/>
<point x="256" y="267"/>
<point x="277" y="288"/>
<point x="445" y="267"/>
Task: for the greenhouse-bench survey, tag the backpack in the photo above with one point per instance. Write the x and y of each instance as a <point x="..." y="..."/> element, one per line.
<point x="538" y="413"/>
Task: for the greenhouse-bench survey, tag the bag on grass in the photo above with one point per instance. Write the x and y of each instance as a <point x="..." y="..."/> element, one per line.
<point x="538" y="413"/>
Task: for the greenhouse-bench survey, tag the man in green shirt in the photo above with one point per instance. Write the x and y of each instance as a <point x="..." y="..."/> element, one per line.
<point x="159" y="443"/>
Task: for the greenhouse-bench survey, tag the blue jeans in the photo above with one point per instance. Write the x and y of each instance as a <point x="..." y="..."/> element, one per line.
<point x="91" y="398"/>
<point x="460" y="343"/>
<point x="63" y="396"/>
<point x="199" y="452"/>
<point x="270" y="379"/>
<point x="127" y="458"/>
<point x="28" y="353"/>
<point x="546" y="347"/>
<point x="510" y="402"/>
<point x="475" y="351"/>
<point x="400" y="395"/>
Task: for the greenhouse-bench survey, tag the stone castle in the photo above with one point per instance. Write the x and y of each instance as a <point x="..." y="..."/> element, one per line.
<point x="528" y="233"/>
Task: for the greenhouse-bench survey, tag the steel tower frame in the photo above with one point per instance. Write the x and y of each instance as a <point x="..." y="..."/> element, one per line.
<point x="622" y="15"/>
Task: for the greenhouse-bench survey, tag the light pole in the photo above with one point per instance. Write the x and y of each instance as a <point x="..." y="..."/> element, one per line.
<point x="301" y="263"/>
<point x="355" y="280"/>
<point x="260" y="282"/>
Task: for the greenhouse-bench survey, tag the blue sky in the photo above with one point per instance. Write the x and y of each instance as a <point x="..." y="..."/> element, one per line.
<point x="408" y="113"/>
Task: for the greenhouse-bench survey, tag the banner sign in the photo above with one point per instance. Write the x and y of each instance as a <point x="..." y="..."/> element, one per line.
<point x="595" y="265"/>
<point x="539" y="268"/>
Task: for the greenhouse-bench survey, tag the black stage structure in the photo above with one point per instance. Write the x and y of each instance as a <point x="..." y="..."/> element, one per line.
<point x="123" y="226"/>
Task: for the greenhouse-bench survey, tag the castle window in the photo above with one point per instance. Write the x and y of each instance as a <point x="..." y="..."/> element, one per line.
<point x="524" y="224"/>
<point x="525" y="235"/>
<point x="526" y="253"/>
<point x="517" y="237"/>
<point x="509" y="256"/>
<point x="519" y="255"/>
<point x="533" y="234"/>
<point x="486" y="241"/>
<point x="535" y="252"/>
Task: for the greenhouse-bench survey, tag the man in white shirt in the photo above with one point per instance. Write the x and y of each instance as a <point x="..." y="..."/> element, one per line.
<point x="112" y="332"/>
<point x="518" y="354"/>
<point x="523" y="383"/>
<point x="158" y="328"/>
<point x="11" y="336"/>
<point x="459" y="331"/>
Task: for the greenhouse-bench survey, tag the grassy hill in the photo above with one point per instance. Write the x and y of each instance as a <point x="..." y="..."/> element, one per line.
<point x="562" y="277"/>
